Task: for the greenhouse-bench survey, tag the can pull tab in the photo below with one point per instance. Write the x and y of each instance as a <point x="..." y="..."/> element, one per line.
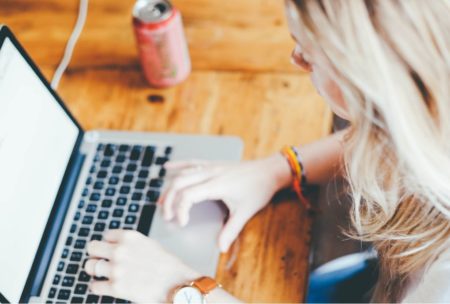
<point x="159" y="9"/>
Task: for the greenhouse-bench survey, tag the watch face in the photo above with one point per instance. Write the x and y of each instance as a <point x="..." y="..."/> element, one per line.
<point x="188" y="295"/>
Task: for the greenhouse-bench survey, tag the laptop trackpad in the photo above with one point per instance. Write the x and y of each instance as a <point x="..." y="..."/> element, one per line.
<point x="195" y="244"/>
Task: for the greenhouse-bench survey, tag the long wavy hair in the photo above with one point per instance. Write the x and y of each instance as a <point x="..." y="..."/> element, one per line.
<point x="391" y="59"/>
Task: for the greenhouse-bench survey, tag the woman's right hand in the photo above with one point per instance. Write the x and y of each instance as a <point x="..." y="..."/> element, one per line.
<point x="244" y="187"/>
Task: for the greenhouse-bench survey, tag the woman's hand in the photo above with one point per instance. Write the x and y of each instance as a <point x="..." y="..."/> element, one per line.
<point x="138" y="269"/>
<point x="244" y="187"/>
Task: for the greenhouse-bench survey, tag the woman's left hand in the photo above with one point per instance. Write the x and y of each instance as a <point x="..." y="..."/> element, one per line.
<point x="138" y="268"/>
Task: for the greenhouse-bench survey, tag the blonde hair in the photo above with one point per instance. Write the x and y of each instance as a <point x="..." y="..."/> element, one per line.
<point x="391" y="60"/>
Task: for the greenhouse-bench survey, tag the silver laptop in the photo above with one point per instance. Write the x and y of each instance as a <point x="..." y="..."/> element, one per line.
<point x="61" y="186"/>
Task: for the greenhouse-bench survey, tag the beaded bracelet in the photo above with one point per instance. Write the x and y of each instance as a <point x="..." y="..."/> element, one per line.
<point x="293" y="158"/>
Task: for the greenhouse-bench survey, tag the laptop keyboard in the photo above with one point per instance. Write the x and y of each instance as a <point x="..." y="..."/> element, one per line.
<point x="120" y="192"/>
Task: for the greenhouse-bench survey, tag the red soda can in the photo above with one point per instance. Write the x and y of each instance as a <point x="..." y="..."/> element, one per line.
<point x="161" y="42"/>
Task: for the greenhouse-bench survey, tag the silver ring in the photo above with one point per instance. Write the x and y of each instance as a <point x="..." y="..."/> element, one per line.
<point x="96" y="269"/>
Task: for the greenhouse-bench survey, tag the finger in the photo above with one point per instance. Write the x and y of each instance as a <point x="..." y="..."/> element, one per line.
<point x="100" y="249"/>
<point x="102" y="288"/>
<point x="178" y="165"/>
<point x="190" y="196"/>
<point x="230" y="231"/>
<point x="114" y="235"/>
<point x="168" y="198"/>
<point x="98" y="268"/>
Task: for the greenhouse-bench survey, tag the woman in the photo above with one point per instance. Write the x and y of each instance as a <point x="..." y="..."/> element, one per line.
<point x="385" y="67"/>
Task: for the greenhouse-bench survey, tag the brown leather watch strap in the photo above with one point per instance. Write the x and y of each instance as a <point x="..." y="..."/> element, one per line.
<point x="205" y="284"/>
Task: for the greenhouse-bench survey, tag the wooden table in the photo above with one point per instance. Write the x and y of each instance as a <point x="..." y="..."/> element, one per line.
<point x="243" y="84"/>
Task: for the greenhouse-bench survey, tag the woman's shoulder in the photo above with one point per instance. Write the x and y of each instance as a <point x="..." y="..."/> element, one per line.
<point x="434" y="284"/>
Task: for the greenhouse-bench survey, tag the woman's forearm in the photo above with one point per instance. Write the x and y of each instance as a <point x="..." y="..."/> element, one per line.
<point x="321" y="159"/>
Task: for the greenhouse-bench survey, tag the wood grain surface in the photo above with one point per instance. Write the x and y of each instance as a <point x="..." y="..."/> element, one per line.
<point x="242" y="84"/>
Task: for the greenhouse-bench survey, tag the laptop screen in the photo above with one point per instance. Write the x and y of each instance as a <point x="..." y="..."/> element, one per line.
<point x="37" y="138"/>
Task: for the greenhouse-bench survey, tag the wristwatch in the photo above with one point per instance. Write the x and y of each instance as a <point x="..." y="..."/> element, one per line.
<point x="194" y="292"/>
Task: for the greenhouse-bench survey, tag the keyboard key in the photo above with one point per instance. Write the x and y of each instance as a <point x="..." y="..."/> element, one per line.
<point x="64" y="294"/>
<point x="120" y="158"/>
<point x="146" y="219"/>
<point x="125" y="189"/>
<point x="133" y="208"/>
<point x="69" y="241"/>
<point x="152" y="196"/>
<point x="130" y="219"/>
<point x="131" y="167"/>
<point x="118" y="212"/>
<point x="137" y="196"/>
<point x="76" y="256"/>
<point x="156" y="182"/>
<point x="168" y="150"/>
<point x="85" y="192"/>
<point x="81" y="289"/>
<point x="162" y="172"/>
<point x="99" y="185"/>
<point x="91" y="208"/>
<point x="100" y="147"/>
<point x="60" y="266"/>
<point x="92" y="169"/>
<point x="87" y="220"/>
<point x="109" y="150"/>
<point x="114" y="225"/>
<point x="124" y="148"/>
<point x="140" y="185"/>
<point x="161" y="160"/>
<point x="135" y="154"/>
<point x="149" y="154"/>
<point x="121" y="201"/>
<point x="56" y="279"/>
<point x="65" y="253"/>
<point x="110" y="192"/>
<point x="89" y="180"/>
<point x="81" y="204"/>
<point x="77" y="216"/>
<point x="99" y="227"/>
<point x="114" y="180"/>
<point x="73" y="228"/>
<point x="84" y="231"/>
<point x="96" y="158"/>
<point x="143" y="173"/>
<point x="103" y="215"/>
<point x="96" y="237"/>
<point x="127" y="228"/>
<point x="51" y="293"/>
<point x="128" y="178"/>
<point x="105" y="163"/>
<point x="117" y="169"/>
<point x="84" y="277"/>
<point x="107" y="203"/>
<point x="107" y="299"/>
<point x="72" y="268"/>
<point x="102" y="174"/>
<point x="92" y="299"/>
<point x="76" y="300"/>
<point x="95" y="197"/>
<point x="80" y="244"/>
<point x="122" y="301"/>
<point x="68" y="281"/>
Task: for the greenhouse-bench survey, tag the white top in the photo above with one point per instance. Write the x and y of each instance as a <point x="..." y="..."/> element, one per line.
<point x="434" y="285"/>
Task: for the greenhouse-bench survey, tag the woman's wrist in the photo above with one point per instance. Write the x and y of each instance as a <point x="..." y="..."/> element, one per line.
<point x="280" y="170"/>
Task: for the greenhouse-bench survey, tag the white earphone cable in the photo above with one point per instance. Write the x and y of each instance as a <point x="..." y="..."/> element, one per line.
<point x="82" y="14"/>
